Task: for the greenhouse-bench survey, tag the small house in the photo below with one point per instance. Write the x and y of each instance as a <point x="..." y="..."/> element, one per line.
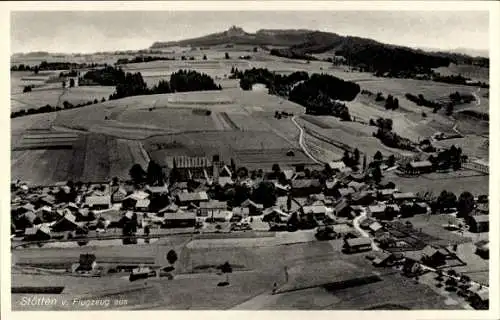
<point x="480" y="299"/>
<point x="418" y="167"/>
<point x="220" y="216"/>
<point x="336" y="166"/>
<point x="385" y="194"/>
<point x="344" y="192"/>
<point x="433" y="257"/>
<point x="118" y="195"/>
<point x="353" y="245"/>
<point x="305" y="187"/>
<point x="275" y="215"/>
<point x="241" y="212"/>
<point x="364" y="198"/>
<point x="400" y="197"/>
<point x="98" y="202"/>
<point x="479" y="223"/>
<point x="180" y="219"/>
<point x="357" y="186"/>
<point x="39" y="233"/>
<point x="157" y="191"/>
<point x="142" y="205"/>
<point x="375" y="227"/>
<point x="185" y="198"/>
<point x="66" y="223"/>
<point x="319" y="212"/>
<point x="379" y="211"/>
<point x="342" y="208"/>
<point x="225" y="181"/>
<point x="483" y="250"/>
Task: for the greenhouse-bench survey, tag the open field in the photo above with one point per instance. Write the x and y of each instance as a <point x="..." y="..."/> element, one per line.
<point x="468" y="71"/>
<point x="474" y="182"/>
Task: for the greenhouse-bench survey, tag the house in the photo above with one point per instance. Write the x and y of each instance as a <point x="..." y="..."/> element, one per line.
<point x="66" y="223"/>
<point x="168" y="209"/>
<point x="341" y="229"/>
<point x="411" y="267"/>
<point x="318" y="211"/>
<point x="358" y="177"/>
<point x="98" y="202"/>
<point x="336" y="166"/>
<point x="207" y="209"/>
<point x="344" y="192"/>
<point x="418" y="167"/>
<point x="180" y="219"/>
<point x="330" y="187"/>
<point x="287" y="175"/>
<point x="400" y="197"/>
<point x="482" y="209"/>
<point x="305" y="187"/>
<point x="387" y="259"/>
<point x="357" y="186"/>
<point x="196" y="198"/>
<point x="118" y="195"/>
<point x="479" y="223"/>
<point x="157" y="190"/>
<point x="375" y="227"/>
<point x="364" y="198"/>
<point x="189" y="167"/>
<point x="434" y="257"/>
<point x="255" y="208"/>
<point x="130" y="201"/>
<point x="225" y="181"/>
<point x="47" y="214"/>
<point x="480" y="299"/>
<point x="87" y="262"/>
<point x="40" y="233"/>
<point x="385" y="194"/>
<point x="220" y="216"/>
<point x="83" y="214"/>
<point x="353" y="245"/>
<point x="241" y="212"/>
<point x="48" y="200"/>
<point x="142" y="205"/>
<point x="379" y="211"/>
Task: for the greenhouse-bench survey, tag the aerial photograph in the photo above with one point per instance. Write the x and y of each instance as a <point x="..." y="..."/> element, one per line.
<point x="249" y="160"/>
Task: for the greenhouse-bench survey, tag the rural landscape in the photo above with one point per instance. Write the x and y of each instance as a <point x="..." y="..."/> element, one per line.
<point x="281" y="169"/>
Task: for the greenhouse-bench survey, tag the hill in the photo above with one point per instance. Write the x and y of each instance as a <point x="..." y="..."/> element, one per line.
<point x="300" y="43"/>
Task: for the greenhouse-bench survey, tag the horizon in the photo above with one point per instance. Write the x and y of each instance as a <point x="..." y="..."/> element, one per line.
<point x="107" y="31"/>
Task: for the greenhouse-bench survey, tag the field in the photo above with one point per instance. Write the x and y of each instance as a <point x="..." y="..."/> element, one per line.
<point x="473" y="72"/>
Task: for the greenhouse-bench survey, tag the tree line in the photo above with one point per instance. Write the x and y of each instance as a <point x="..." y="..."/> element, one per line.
<point x="48" y="108"/>
<point x="139" y="59"/>
<point x="51" y="66"/>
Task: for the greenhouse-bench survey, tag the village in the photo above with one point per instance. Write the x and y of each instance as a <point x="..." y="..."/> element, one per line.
<point x="198" y="195"/>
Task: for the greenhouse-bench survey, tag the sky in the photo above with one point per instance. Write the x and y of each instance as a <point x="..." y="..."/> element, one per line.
<point x="93" y="31"/>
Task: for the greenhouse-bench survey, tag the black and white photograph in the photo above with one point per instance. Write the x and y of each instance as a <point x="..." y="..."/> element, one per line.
<point x="246" y="159"/>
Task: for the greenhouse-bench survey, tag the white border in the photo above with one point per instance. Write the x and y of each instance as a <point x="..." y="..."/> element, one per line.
<point x="491" y="6"/>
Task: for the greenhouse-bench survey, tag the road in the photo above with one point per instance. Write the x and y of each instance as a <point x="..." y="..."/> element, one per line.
<point x="476" y="96"/>
<point x="301" y="142"/>
<point x="356" y="221"/>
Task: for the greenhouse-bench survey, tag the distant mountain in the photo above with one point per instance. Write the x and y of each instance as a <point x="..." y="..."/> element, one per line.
<point x="300" y="44"/>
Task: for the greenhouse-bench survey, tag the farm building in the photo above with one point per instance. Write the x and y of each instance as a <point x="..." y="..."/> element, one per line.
<point x="400" y="197"/>
<point x="186" y="198"/>
<point x="40" y="233"/>
<point x="434" y="257"/>
<point x="305" y="187"/>
<point x="98" y="202"/>
<point x="318" y="211"/>
<point x="180" y="219"/>
<point x="336" y="166"/>
<point x="207" y="209"/>
<point x="66" y="223"/>
<point x="379" y="211"/>
<point x="479" y="223"/>
<point x="118" y="195"/>
<point x="253" y="207"/>
<point x="241" y="212"/>
<point x="357" y="245"/>
<point x="190" y="167"/>
<point x="418" y="167"/>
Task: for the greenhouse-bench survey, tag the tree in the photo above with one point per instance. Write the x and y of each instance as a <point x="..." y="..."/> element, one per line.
<point x="265" y="194"/>
<point x="395" y="104"/>
<point x="36" y="69"/>
<point x="226" y="55"/>
<point x="27" y="89"/>
<point x="155" y="175"/>
<point x="276" y="168"/>
<point x="137" y="173"/>
<point x="103" y="99"/>
<point x="356" y="155"/>
<point x="446" y="200"/>
<point x="71" y="83"/>
<point x="377" y="174"/>
<point x="364" y="162"/>
<point x="204" y="57"/>
<point x="465" y="204"/>
<point x="226" y="269"/>
<point x="391" y="161"/>
<point x="171" y="257"/>
<point x="378" y="156"/>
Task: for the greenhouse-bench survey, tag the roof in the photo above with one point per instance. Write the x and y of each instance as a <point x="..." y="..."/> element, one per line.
<point x="341" y="228"/>
<point x="336" y="165"/>
<point x="353" y="242"/>
<point x="331" y="183"/>
<point x="346" y="191"/>
<point x="213" y="204"/>
<point x="288" y="174"/>
<point x="305" y="183"/>
<point x="484" y="294"/>
<point x="194" y="196"/>
<point x="144" y="203"/>
<point x="250" y="203"/>
<point x="315" y="209"/>
<point x="225" y="172"/>
<point x="241" y="211"/>
<point x="138" y="195"/>
<point x="222" y="181"/>
<point x="386" y="192"/>
<point x="97" y="200"/>
<point x="481" y="218"/>
<point x="429" y="251"/>
<point x="356" y="185"/>
<point x="403" y="195"/>
<point x="188" y="162"/>
<point x="181" y="215"/>
<point x="170" y="208"/>
<point x="158" y="189"/>
<point x="375" y="226"/>
<point x="381" y="207"/>
<point x="421" y="164"/>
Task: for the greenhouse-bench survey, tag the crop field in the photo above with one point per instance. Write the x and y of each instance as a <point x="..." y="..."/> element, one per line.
<point x="56" y="96"/>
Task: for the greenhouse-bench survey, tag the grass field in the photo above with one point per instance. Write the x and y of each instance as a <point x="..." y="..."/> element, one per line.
<point x="468" y="71"/>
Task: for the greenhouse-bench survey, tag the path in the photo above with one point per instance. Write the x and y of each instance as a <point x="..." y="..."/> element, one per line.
<point x="301" y="141"/>
<point x="476" y="96"/>
<point x="356" y="221"/>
